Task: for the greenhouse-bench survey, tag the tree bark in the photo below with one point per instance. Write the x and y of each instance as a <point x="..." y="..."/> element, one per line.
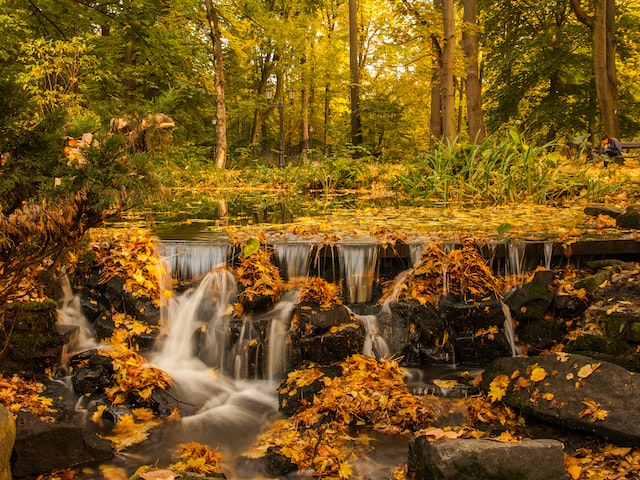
<point x="446" y="73"/>
<point x="221" y="107"/>
<point x="356" y="127"/>
<point x="435" y="119"/>
<point x="602" y="25"/>
<point x="477" y="131"/>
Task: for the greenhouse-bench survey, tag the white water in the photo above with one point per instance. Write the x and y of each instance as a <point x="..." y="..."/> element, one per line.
<point x="187" y="260"/>
<point x="294" y="259"/>
<point x="374" y="343"/>
<point x="509" y="329"/>
<point x="358" y="264"/>
<point x="548" y="251"/>
<point x="70" y="313"/>
<point x="515" y="264"/>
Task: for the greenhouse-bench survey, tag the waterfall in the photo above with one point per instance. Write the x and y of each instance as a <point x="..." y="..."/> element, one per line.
<point x="358" y="266"/>
<point x="70" y="314"/>
<point x="188" y="260"/>
<point x="516" y="259"/>
<point x="201" y="309"/>
<point x="294" y="259"/>
<point x="509" y="329"/>
<point x="375" y="344"/>
<point x="548" y="251"/>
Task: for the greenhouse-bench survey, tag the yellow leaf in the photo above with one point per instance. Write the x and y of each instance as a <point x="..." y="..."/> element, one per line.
<point x="538" y="374"/>
<point x="548" y="396"/>
<point x="345" y="470"/>
<point x="588" y="369"/>
<point x="574" y="471"/>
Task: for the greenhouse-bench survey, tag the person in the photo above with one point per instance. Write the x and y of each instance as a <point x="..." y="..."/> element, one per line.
<point x="612" y="146"/>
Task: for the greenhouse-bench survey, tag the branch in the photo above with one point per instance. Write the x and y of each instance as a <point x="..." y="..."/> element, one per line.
<point x="581" y="14"/>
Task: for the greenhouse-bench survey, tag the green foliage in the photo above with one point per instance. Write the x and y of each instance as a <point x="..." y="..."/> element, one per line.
<point x="504" y="169"/>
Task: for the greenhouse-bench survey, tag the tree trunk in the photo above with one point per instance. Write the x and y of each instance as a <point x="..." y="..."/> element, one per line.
<point x="446" y="74"/>
<point x="602" y="25"/>
<point x="435" y="119"/>
<point x="356" y="127"/>
<point x="477" y="131"/>
<point x="304" y="102"/>
<point x="221" y="107"/>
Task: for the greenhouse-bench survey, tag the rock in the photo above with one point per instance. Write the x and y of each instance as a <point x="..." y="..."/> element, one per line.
<point x="324" y="336"/>
<point x="7" y="439"/>
<point x="532" y="300"/>
<point x="471" y="459"/>
<point x="44" y="447"/>
<point x="478" y="330"/>
<point x="630" y="218"/>
<point x="595" y="210"/>
<point x="34" y="343"/>
<point x="584" y="395"/>
<point x="416" y="333"/>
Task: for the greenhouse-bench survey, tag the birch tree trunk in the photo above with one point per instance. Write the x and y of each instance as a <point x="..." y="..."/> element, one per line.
<point x="218" y="64"/>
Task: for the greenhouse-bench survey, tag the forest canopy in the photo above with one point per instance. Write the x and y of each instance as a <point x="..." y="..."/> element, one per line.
<point x="245" y="80"/>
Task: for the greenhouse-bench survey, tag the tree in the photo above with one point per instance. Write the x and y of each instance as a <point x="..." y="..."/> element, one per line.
<point x="473" y="85"/>
<point x="356" y="127"/>
<point x="447" y="87"/>
<point x="602" y="24"/>
<point x="221" y="107"/>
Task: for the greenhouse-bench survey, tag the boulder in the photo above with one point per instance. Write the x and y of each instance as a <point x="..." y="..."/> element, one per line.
<point x="574" y="392"/>
<point x="44" y="447"/>
<point x="471" y="459"/>
<point x="7" y="438"/>
<point x="630" y="218"/>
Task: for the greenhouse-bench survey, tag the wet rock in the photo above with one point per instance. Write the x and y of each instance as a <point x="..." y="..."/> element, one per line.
<point x="289" y="404"/>
<point x="471" y="459"/>
<point x="7" y="439"/>
<point x="34" y="343"/>
<point x="532" y="300"/>
<point x="602" y="399"/>
<point x="324" y="336"/>
<point x="478" y="330"/>
<point x="630" y="218"/>
<point x="92" y="372"/>
<point x="417" y="333"/>
<point x="44" y="447"/>
<point x="595" y="210"/>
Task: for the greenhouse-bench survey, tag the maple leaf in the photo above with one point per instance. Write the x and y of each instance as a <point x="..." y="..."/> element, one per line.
<point x="498" y="387"/>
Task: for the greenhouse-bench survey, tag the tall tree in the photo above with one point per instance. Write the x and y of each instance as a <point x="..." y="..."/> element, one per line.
<point x="218" y="63"/>
<point x="356" y="127"/>
<point x="473" y="87"/>
<point x="447" y="86"/>
<point x="603" y="32"/>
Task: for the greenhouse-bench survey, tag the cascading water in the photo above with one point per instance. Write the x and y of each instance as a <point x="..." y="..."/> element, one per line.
<point x="548" y="252"/>
<point x="375" y="344"/>
<point x="70" y="314"/>
<point x="509" y="329"/>
<point x="516" y="252"/>
<point x="358" y="266"/>
<point x="293" y="258"/>
<point x="188" y="260"/>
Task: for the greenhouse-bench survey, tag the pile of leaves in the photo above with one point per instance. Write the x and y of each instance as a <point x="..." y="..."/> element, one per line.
<point x="322" y="437"/>
<point x="317" y="290"/>
<point x="130" y="429"/>
<point x="193" y="458"/>
<point x="131" y="254"/>
<point x="608" y="462"/>
<point x="20" y="395"/>
<point x="462" y="272"/>
<point x="257" y="274"/>
<point x="135" y="380"/>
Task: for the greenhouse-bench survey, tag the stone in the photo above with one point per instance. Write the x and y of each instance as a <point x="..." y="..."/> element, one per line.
<point x="584" y="395"/>
<point x="7" y="439"/>
<point x="44" y="447"/>
<point x="471" y="459"/>
<point x="630" y="218"/>
<point x="596" y="210"/>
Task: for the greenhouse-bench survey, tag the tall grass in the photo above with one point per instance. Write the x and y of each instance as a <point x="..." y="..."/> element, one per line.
<point x="504" y="169"/>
